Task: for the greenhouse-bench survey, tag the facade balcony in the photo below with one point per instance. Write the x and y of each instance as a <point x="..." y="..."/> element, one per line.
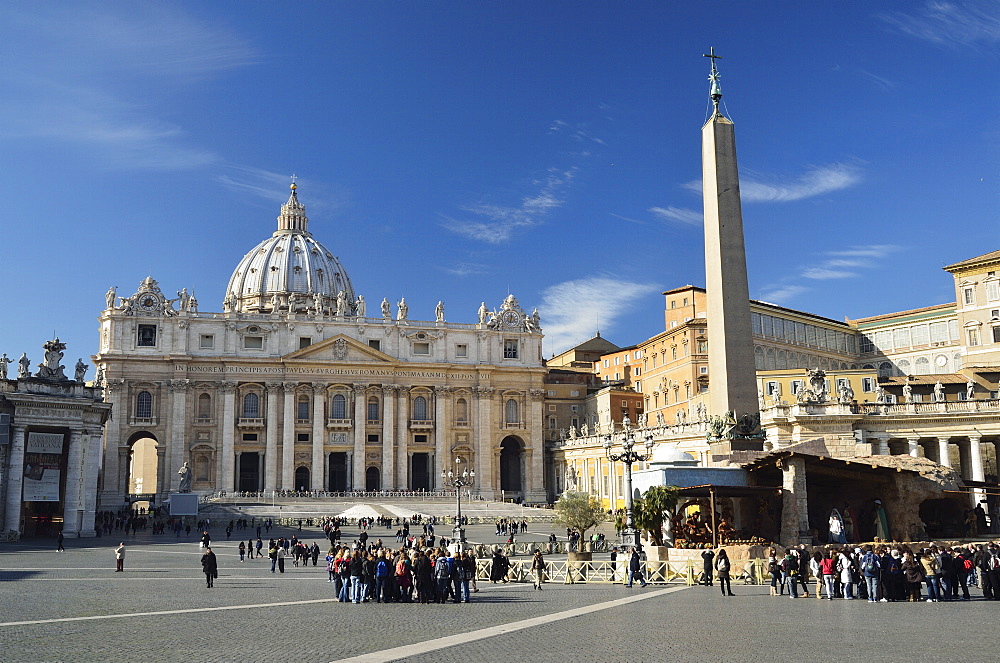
<point x="339" y="424"/>
<point x="460" y="424"/>
<point x="143" y="421"/>
<point x="303" y="422"/>
<point x="250" y="422"/>
<point x="421" y="424"/>
<point x="204" y="421"/>
<point x="373" y="422"/>
<point x="513" y="424"/>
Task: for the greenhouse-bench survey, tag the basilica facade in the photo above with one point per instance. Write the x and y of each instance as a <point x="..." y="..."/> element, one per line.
<point x="296" y="385"/>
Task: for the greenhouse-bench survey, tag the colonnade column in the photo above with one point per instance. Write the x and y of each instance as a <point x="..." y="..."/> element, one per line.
<point x="288" y="437"/>
<point x="402" y="439"/>
<point x="913" y="446"/>
<point x="795" y="503"/>
<point x="442" y="427"/>
<point x="91" y="470"/>
<point x="227" y="459"/>
<point x="271" y="445"/>
<point x="112" y="490"/>
<point x="15" y="479"/>
<point x="944" y="451"/>
<point x="316" y="473"/>
<point x="356" y="479"/>
<point x="388" y="439"/>
<point x="178" y="450"/>
<point x="74" y="476"/>
<point x="536" y="440"/>
<point x="976" y="467"/>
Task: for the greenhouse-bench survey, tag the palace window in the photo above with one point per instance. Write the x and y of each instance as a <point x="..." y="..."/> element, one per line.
<point x="868" y="385"/>
<point x="305" y="341"/>
<point x="302" y="408"/>
<point x="969" y="296"/>
<point x="373" y="409"/>
<point x="461" y="410"/>
<point x="144" y="405"/>
<point x="375" y="344"/>
<point x="204" y="406"/>
<point x="251" y="406"/>
<point x="992" y="290"/>
<point x="146" y="336"/>
<point x="207" y="341"/>
<point x="338" y="409"/>
<point x="253" y="342"/>
<point x="461" y="350"/>
<point x="510" y="349"/>
<point x="973" y="336"/>
<point x="421" y="348"/>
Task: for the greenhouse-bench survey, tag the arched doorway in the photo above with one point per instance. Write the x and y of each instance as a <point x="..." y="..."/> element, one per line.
<point x="143" y="465"/>
<point x="510" y="465"/>
<point x="302" y="478"/>
<point x="372" y="479"/>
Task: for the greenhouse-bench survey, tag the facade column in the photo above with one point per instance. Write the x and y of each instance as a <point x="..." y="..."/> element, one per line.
<point x="350" y="471"/>
<point x="271" y="444"/>
<point x="536" y="470"/>
<point x="288" y="437"/>
<point x="442" y="430"/>
<point x="483" y="443"/>
<point x="944" y="451"/>
<point x="388" y="438"/>
<point x="402" y="439"/>
<point x="238" y="464"/>
<point x="354" y="479"/>
<point x="161" y="470"/>
<point x="74" y="477"/>
<point x="795" y="504"/>
<point x="177" y="444"/>
<point x="976" y="467"/>
<point x="913" y="446"/>
<point x="112" y="488"/>
<point x="882" y="441"/>
<point x="316" y="474"/>
<point x="15" y="479"/>
<point x="226" y="460"/>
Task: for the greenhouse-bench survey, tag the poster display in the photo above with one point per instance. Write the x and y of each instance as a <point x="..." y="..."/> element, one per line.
<point x="42" y="467"/>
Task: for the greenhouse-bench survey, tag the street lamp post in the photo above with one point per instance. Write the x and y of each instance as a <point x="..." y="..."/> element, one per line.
<point x="458" y="480"/>
<point x="629" y="536"/>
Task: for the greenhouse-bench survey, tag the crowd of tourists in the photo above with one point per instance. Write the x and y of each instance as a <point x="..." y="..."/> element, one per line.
<point x="888" y="573"/>
<point x="383" y="575"/>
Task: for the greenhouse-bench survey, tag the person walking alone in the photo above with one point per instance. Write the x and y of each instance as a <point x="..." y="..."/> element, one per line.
<point x="120" y="558"/>
<point x="635" y="569"/>
<point x="538" y="569"/>
<point x="722" y="567"/>
<point x="59" y="542"/>
<point x="210" y="566"/>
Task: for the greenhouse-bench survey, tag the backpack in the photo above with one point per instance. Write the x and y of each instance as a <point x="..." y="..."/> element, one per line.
<point x="967" y="565"/>
<point x="994" y="563"/>
<point x="441" y="568"/>
<point x="382" y="569"/>
<point x="870" y="563"/>
<point x="722" y="564"/>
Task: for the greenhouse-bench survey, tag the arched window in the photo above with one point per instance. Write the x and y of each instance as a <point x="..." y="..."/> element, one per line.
<point x="339" y="407"/>
<point x="923" y="366"/>
<point x="251" y="406"/>
<point x="461" y="410"/>
<point x="884" y="369"/>
<point x="758" y="356"/>
<point x="144" y="405"/>
<point x="302" y="408"/>
<point x="204" y="406"/>
<point x="420" y="408"/>
<point x="958" y="360"/>
<point x="373" y="409"/>
<point x="904" y="366"/>
<point x="512" y="414"/>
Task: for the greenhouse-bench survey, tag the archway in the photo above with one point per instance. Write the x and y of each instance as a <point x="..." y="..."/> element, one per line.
<point x="511" y="457"/>
<point x="372" y="479"/>
<point x="302" y="478"/>
<point x="143" y="464"/>
<point x="338" y="472"/>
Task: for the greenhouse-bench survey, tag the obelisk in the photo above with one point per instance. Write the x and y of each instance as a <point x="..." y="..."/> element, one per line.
<point x="731" y="369"/>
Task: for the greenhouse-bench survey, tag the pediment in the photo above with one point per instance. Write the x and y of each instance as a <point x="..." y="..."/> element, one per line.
<point x="339" y="348"/>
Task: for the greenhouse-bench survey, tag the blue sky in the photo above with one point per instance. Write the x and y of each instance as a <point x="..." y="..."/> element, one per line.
<point x="455" y="150"/>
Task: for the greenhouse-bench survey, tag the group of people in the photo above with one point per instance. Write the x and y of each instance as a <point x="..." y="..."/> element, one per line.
<point x="890" y="573"/>
<point x="383" y="575"/>
<point x="510" y="526"/>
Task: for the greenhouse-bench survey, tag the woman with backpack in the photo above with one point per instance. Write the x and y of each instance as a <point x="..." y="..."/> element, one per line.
<point x="845" y="568"/>
<point x="722" y="568"/>
<point x="774" y="568"/>
<point x="404" y="578"/>
<point x="828" y="569"/>
<point x="913" y="576"/>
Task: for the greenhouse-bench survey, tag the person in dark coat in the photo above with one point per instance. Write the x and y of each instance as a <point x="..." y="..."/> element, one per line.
<point x="422" y="577"/>
<point x="708" y="557"/>
<point x="210" y="566"/>
<point x="635" y="569"/>
<point x="499" y="567"/>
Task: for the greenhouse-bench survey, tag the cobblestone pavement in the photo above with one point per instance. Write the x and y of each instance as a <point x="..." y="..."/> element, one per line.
<point x="253" y="615"/>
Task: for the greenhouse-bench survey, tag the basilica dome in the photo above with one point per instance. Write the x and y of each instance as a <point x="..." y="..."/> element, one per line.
<point x="290" y="271"/>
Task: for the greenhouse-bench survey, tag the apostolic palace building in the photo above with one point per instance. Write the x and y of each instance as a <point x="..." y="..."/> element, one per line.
<point x="300" y="384"/>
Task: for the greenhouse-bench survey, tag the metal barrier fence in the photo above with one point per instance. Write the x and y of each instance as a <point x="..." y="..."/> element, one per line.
<point x="519" y="548"/>
<point x="10" y="536"/>
<point x="687" y="572"/>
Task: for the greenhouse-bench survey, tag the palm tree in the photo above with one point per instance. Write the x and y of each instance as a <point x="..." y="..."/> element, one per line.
<point x="651" y="509"/>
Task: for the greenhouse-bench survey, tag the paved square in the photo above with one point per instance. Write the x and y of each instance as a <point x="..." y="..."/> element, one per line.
<point x="78" y="609"/>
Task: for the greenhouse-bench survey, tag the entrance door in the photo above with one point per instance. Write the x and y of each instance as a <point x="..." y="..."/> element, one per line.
<point x="510" y="465"/>
<point x="420" y="475"/>
<point x="372" y="480"/>
<point x="302" y="478"/>
<point x="338" y="472"/>
<point x="249" y="472"/>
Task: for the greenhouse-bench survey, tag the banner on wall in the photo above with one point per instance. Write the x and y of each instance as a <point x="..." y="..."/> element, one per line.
<point x="42" y="467"/>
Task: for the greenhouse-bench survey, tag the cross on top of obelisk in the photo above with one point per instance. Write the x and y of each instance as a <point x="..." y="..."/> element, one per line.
<point x="714" y="77"/>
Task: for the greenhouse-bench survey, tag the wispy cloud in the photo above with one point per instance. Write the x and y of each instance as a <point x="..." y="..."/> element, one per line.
<point x="496" y="223"/>
<point x="688" y="216"/>
<point x="263" y="183"/>
<point x="842" y="264"/>
<point x="464" y="269"/>
<point x="626" y="218"/>
<point x="571" y="311"/>
<point x="881" y="82"/>
<point x="817" y="181"/>
<point x="88" y="76"/>
<point x="577" y="132"/>
<point x="964" y="24"/>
